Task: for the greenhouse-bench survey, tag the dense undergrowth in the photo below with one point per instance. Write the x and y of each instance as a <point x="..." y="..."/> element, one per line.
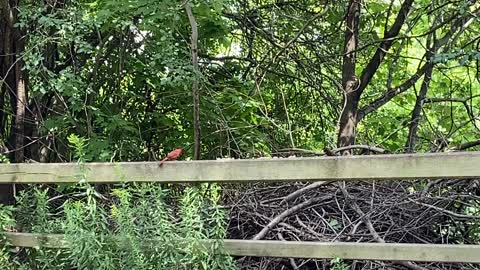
<point x="125" y="226"/>
<point x="135" y="227"/>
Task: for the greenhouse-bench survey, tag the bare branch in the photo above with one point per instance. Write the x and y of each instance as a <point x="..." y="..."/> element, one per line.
<point x="300" y="192"/>
<point x="445" y="211"/>
<point x="287" y="213"/>
<point x="465" y="146"/>
<point x="391" y="93"/>
<point x="371" y="228"/>
<point x="359" y="146"/>
<point x="195" y="89"/>
<point x="379" y="55"/>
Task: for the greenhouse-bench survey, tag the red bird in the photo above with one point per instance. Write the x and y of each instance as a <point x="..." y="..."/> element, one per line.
<point x="172" y="156"/>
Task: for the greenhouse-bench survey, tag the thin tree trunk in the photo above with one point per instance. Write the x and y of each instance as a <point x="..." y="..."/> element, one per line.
<point x="417" y="109"/>
<point x="195" y="88"/>
<point x="431" y="51"/>
<point x="13" y="83"/>
<point x="417" y="112"/>
<point x="350" y="83"/>
<point x="3" y="68"/>
<point x="22" y="99"/>
<point x="12" y="71"/>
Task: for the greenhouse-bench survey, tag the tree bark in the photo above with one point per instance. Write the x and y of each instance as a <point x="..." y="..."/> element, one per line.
<point x="417" y="111"/>
<point x="348" y="116"/>
<point x="352" y="86"/>
<point x="6" y="191"/>
<point x="21" y="99"/>
<point x="13" y="86"/>
<point x="195" y="88"/>
<point x="12" y="72"/>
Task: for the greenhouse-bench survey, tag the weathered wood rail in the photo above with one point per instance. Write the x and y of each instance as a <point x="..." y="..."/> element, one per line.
<point x="313" y="250"/>
<point x="381" y="167"/>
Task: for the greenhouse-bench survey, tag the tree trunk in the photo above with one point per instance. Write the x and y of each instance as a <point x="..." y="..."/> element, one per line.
<point x="13" y="86"/>
<point x="417" y="112"/>
<point x="350" y="83"/>
<point x="417" y="109"/>
<point x="353" y="87"/>
<point x="6" y="191"/>
<point x="197" y="140"/>
<point x="12" y="71"/>
<point x="21" y="101"/>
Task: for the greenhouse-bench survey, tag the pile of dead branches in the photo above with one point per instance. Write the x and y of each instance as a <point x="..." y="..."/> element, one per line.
<point x="434" y="211"/>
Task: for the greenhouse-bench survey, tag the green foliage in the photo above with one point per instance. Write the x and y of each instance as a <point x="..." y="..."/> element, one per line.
<point x="6" y="219"/>
<point x="78" y="144"/>
<point x="4" y="159"/>
<point x="120" y="75"/>
<point x="111" y="80"/>
<point x="119" y="63"/>
<point x="5" y="260"/>
<point x="338" y="264"/>
<point x="136" y="227"/>
<point x="7" y="222"/>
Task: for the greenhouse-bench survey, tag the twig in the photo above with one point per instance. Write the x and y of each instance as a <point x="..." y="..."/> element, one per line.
<point x="445" y="211"/>
<point x="300" y="150"/>
<point x="464" y="146"/>
<point x="371" y="228"/>
<point x="292" y="261"/>
<point x="310" y="230"/>
<point x="303" y="190"/>
<point x="358" y="146"/>
<point x="287" y="213"/>
<point x="290" y="42"/>
<point x="332" y="152"/>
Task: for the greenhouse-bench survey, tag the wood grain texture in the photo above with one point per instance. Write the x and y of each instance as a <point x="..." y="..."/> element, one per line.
<point x="314" y="250"/>
<point x="381" y="167"/>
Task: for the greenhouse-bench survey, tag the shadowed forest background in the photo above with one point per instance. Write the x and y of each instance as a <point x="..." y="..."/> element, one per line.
<point x="132" y="80"/>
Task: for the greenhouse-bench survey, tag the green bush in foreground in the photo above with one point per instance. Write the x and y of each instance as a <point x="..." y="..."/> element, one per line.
<point x="141" y="226"/>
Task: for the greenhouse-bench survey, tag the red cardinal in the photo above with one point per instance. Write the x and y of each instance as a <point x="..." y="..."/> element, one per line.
<point x="172" y="156"/>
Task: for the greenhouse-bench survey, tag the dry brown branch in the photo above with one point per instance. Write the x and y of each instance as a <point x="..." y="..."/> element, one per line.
<point x="371" y="228"/>
<point x="292" y="261"/>
<point x="448" y="212"/>
<point x="395" y="218"/>
<point x="357" y="146"/>
<point x="465" y="146"/>
<point x="303" y="190"/>
<point x="287" y="213"/>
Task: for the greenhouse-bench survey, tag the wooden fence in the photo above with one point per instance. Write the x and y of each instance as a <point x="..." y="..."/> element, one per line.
<point x="381" y="167"/>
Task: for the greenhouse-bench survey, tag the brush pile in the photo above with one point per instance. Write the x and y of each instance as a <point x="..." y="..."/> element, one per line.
<point x="437" y="211"/>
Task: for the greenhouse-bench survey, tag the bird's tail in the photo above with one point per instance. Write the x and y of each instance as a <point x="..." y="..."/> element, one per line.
<point x="163" y="160"/>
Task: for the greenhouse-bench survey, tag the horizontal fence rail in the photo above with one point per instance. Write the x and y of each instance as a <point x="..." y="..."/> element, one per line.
<point x="313" y="250"/>
<point x="380" y="167"/>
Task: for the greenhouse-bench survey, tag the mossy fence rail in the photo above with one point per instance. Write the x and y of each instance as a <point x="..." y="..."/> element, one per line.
<point x="354" y="168"/>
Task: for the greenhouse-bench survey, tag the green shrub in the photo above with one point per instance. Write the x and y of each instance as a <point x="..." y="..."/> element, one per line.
<point x="131" y="226"/>
<point x="137" y="226"/>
